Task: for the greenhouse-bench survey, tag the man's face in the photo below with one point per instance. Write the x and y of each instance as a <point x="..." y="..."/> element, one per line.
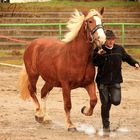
<point x="110" y="42"/>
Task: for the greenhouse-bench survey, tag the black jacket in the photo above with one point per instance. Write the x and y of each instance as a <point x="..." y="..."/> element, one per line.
<point x="109" y="64"/>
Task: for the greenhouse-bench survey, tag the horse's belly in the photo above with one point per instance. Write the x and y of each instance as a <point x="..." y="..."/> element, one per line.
<point x="84" y="81"/>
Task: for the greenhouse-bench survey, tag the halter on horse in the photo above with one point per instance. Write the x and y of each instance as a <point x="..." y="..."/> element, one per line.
<point x="64" y="63"/>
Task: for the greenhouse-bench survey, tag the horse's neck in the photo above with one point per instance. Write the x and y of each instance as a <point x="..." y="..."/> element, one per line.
<point x="79" y="47"/>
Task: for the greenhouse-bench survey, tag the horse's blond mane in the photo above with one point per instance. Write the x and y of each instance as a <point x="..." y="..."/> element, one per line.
<point x="75" y="23"/>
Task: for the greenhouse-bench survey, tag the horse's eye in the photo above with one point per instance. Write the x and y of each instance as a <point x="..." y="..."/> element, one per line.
<point x="90" y="21"/>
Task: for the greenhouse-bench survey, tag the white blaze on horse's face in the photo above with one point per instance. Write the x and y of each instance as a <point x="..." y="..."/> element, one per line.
<point x="100" y="36"/>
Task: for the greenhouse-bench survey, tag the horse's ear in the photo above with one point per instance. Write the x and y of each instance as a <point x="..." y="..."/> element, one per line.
<point x="85" y="13"/>
<point x="102" y="11"/>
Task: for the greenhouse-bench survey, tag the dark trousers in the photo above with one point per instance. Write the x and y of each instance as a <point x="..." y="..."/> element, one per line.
<point x="109" y="94"/>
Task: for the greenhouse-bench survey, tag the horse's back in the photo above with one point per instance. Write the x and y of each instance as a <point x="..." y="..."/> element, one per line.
<point x="46" y="42"/>
<point x="41" y="46"/>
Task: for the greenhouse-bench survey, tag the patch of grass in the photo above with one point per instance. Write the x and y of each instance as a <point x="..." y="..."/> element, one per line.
<point x="135" y="52"/>
<point x="11" y="56"/>
<point x="5" y="53"/>
<point x="64" y="5"/>
<point x="101" y="3"/>
<point x="12" y="61"/>
<point x="57" y="3"/>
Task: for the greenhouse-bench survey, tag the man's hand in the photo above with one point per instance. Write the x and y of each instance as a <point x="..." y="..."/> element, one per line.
<point x="101" y="51"/>
<point x="137" y="66"/>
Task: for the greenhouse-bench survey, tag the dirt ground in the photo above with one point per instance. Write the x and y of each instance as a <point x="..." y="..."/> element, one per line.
<point x="17" y="116"/>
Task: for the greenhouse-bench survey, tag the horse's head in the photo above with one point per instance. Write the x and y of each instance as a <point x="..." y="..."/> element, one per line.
<point x="91" y="25"/>
<point x="94" y="28"/>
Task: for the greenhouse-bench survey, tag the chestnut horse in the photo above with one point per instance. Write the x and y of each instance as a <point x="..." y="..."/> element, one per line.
<point x="64" y="63"/>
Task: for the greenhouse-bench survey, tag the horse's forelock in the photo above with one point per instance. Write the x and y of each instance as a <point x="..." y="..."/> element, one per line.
<point x="91" y="13"/>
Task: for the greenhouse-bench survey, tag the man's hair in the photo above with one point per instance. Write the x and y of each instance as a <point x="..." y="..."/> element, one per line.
<point x="110" y="34"/>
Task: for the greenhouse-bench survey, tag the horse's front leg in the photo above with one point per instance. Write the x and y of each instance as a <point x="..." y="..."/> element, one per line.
<point x="93" y="100"/>
<point x="67" y="106"/>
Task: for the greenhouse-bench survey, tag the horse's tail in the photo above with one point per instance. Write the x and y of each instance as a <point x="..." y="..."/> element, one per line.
<point x="24" y="82"/>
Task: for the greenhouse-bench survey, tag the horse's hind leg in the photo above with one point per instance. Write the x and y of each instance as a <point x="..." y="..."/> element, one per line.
<point x="44" y="93"/>
<point x="32" y="88"/>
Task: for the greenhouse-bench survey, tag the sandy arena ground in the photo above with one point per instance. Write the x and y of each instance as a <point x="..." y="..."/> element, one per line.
<point x="17" y="116"/>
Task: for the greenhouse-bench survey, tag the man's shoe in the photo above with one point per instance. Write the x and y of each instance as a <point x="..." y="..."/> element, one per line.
<point x="106" y="129"/>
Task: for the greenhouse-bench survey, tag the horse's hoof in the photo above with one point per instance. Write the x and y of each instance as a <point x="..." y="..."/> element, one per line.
<point x="82" y="110"/>
<point x="39" y="119"/>
<point x="73" y="129"/>
<point x="47" y="121"/>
